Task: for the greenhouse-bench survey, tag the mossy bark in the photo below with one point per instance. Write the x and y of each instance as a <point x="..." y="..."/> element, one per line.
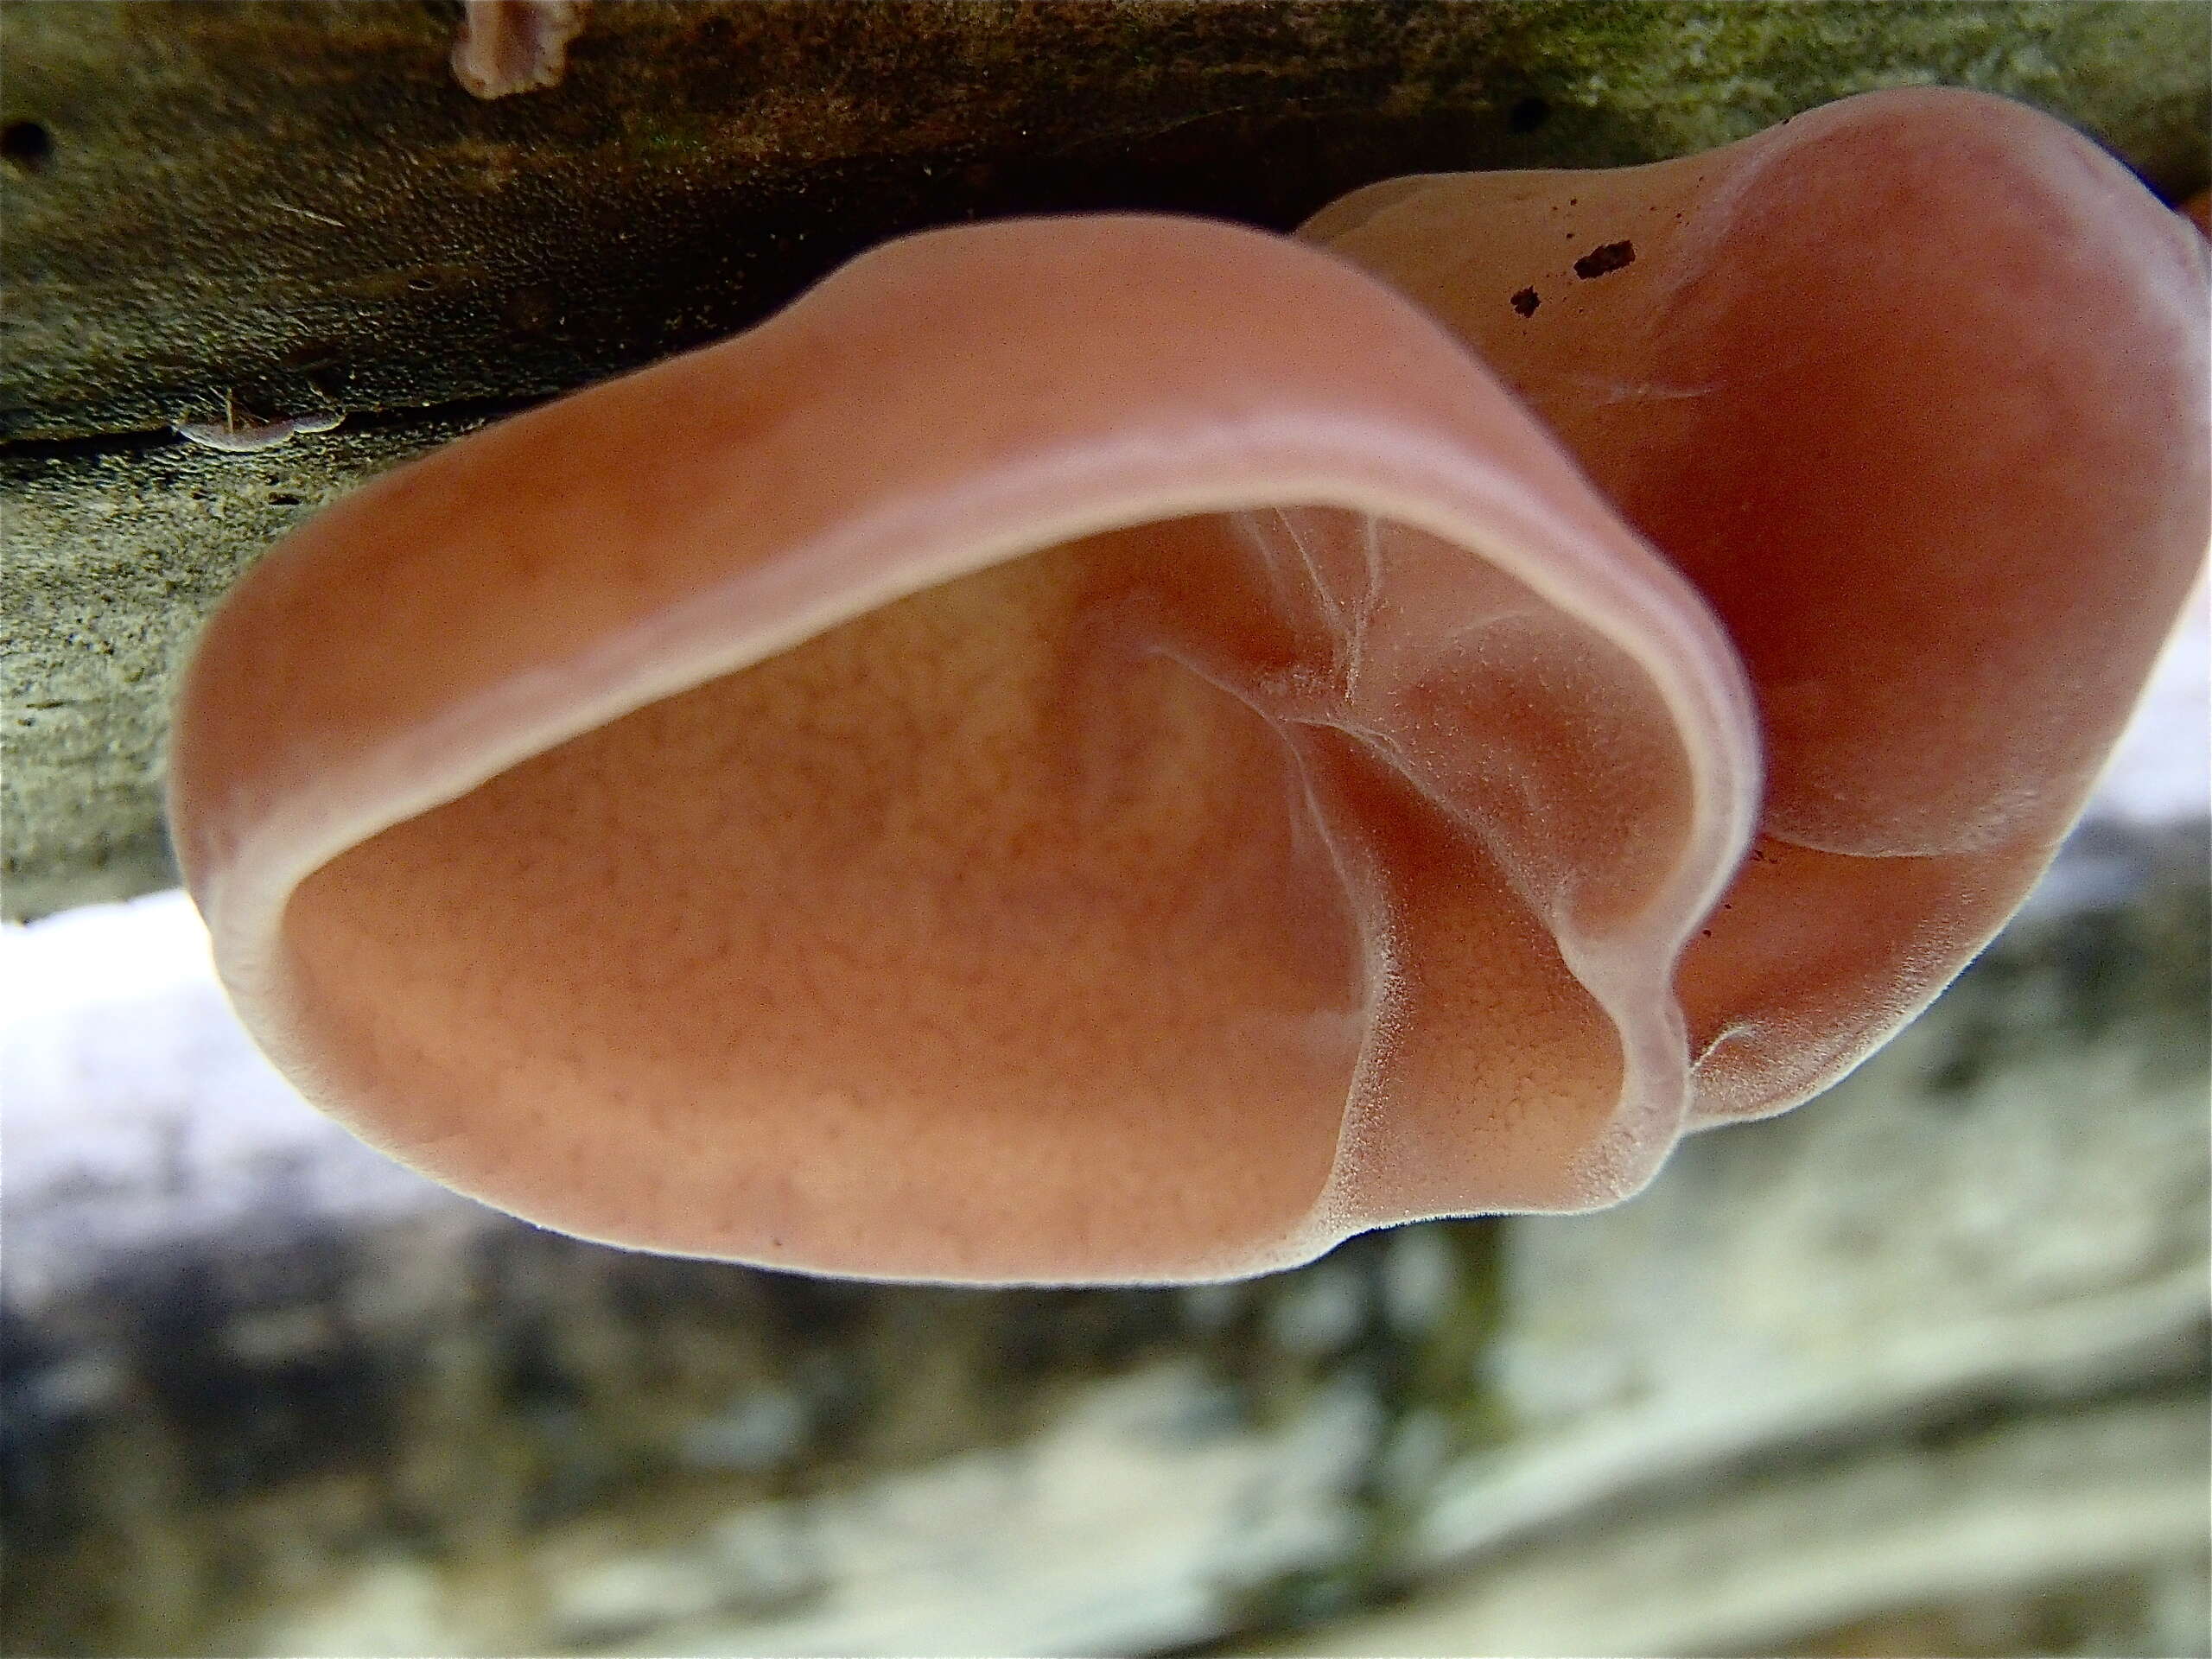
<point x="284" y="208"/>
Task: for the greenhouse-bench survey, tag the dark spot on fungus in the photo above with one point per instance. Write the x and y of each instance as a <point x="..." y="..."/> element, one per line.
<point x="1606" y="257"/>
<point x="1529" y="114"/>
<point x="27" y="144"/>
<point x="1526" y="302"/>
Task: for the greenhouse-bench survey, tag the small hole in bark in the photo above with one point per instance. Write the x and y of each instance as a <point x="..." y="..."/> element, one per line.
<point x="1529" y="114"/>
<point x="26" y="144"/>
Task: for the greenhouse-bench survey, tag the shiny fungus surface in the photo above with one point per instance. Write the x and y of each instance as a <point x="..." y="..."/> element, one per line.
<point x="1128" y="748"/>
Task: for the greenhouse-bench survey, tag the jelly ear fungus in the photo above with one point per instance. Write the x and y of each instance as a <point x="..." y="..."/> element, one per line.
<point x="1126" y="748"/>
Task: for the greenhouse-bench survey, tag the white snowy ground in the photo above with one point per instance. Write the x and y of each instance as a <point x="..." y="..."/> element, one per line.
<point x="125" y="1085"/>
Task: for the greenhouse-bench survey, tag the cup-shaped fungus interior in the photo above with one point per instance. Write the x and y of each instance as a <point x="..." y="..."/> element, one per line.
<point x="1097" y="749"/>
<point x="1167" y="902"/>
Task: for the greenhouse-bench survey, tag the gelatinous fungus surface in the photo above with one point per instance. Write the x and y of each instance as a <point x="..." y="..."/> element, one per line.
<point x="1129" y="748"/>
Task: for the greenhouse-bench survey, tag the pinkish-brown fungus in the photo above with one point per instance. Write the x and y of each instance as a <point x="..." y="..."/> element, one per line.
<point x="1129" y="748"/>
<point x="506" y="47"/>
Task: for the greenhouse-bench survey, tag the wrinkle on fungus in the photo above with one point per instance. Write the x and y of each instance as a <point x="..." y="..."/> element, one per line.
<point x="1126" y="749"/>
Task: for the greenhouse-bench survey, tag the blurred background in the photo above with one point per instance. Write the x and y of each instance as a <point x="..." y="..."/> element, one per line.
<point x="1921" y="1367"/>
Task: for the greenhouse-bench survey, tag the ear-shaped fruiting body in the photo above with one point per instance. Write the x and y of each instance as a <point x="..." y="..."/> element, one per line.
<point x="1097" y="748"/>
<point x="1913" y="388"/>
<point x="1114" y="749"/>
